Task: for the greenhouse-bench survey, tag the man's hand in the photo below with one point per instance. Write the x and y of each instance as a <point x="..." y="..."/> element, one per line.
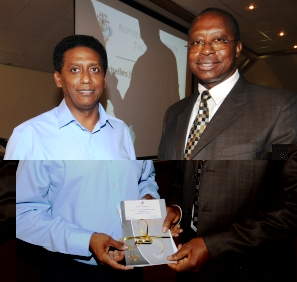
<point x="172" y="217"/>
<point x="108" y="251"/>
<point x="148" y="197"/>
<point x="192" y="256"/>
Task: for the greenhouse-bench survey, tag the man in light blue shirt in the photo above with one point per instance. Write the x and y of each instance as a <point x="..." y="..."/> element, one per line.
<point x="79" y="128"/>
<point x="72" y="207"/>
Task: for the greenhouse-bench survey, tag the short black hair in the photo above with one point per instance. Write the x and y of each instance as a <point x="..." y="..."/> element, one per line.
<point x="73" y="41"/>
<point x="233" y="21"/>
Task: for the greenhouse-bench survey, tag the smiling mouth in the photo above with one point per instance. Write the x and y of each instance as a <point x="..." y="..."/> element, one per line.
<point x="86" y="91"/>
<point x="207" y="65"/>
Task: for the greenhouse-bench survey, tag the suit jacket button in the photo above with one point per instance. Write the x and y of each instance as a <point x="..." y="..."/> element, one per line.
<point x="188" y="210"/>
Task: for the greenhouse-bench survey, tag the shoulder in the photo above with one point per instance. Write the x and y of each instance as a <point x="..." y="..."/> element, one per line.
<point x="112" y="120"/>
<point x="268" y="98"/>
<point x="115" y="121"/>
<point x="44" y="119"/>
<point x="27" y="135"/>
<point x="185" y="103"/>
<point x="267" y="91"/>
<point x="118" y="127"/>
<point x="271" y="90"/>
<point x="272" y="98"/>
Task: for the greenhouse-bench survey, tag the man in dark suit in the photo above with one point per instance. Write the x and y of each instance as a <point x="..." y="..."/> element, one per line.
<point x="243" y="119"/>
<point x="247" y="208"/>
<point x="247" y="220"/>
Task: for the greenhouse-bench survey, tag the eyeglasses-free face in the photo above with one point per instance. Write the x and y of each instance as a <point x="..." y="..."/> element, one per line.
<point x="82" y="79"/>
<point x="212" y="50"/>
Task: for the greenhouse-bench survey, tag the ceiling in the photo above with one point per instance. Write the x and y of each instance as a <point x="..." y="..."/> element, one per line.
<point x="30" y="29"/>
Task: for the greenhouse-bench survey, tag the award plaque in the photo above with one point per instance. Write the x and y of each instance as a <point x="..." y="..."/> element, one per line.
<point x="142" y="222"/>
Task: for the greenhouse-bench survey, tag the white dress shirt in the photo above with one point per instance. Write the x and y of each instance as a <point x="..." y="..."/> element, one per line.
<point x="218" y="95"/>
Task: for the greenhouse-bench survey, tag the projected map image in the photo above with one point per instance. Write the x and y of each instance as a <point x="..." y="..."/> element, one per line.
<point x="146" y="72"/>
<point x="122" y="41"/>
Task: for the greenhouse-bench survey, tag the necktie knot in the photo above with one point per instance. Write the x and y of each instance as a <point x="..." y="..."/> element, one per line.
<point x="205" y="95"/>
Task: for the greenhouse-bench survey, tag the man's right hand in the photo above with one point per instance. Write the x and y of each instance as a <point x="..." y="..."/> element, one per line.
<point x="108" y="251"/>
<point x="192" y="256"/>
<point x="172" y="217"/>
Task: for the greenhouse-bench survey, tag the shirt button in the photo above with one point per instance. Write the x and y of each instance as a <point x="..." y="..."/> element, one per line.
<point x="95" y="159"/>
<point x="114" y="185"/>
<point x="117" y="212"/>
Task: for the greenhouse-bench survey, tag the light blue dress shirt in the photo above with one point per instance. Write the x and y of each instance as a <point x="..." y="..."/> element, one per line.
<point x="57" y="135"/>
<point x="60" y="204"/>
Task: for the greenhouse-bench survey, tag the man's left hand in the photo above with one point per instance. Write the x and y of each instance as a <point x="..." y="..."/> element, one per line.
<point x="171" y="220"/>
<point x="192" y="256"/>
<point x="148" y="197"/>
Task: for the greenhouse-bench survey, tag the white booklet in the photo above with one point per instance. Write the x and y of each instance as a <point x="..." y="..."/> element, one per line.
<point x="142" y="222"/>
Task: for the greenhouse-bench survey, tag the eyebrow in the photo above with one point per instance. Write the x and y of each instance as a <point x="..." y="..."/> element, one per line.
<point x="79" y="63"/>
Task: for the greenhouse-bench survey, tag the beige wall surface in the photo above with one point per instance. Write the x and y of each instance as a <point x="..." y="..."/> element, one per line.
<point x="25" y="94"/>
<point x="276" y="72"/>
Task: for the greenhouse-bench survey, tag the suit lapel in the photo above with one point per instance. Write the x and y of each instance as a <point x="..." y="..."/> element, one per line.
<point x="227" y="114"/>
<point x="182" y="126"/>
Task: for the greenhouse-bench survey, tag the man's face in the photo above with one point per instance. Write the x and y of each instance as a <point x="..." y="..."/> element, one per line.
<point x="82" y="79"/>
<point x="213" y="67"/>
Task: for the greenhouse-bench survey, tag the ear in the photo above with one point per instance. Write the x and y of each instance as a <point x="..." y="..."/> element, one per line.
<point x="238" y="49"/>
<point x="58" y="79"/>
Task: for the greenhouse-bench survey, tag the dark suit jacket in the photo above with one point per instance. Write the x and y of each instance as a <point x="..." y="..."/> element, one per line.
<point x="250" y="119"/>
<point x="247" y="217"/>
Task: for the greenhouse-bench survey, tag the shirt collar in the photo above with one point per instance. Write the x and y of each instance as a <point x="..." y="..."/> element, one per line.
<point x="220" y="91"/>
<point x="65" y="116"/>
<point x="103" y="117"/>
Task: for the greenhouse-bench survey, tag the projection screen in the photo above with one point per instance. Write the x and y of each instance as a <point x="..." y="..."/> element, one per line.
<point x="147" y="68"/>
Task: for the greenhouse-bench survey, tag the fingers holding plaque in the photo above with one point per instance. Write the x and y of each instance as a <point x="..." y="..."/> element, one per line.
<point x="142" y="222"/>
